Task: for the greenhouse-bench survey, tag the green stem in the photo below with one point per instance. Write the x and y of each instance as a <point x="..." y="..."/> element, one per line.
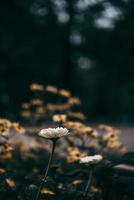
<point x="88" y="183"/>
<point x="48" y="166"/>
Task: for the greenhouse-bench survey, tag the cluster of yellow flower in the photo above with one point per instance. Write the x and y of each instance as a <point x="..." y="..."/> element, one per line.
<point x="35" y="108"/>
<point x="80" y="128"/>
<point x="5" y="151"/>
<point x="6" y="128"/>
<point x="62" y="108"/>
<point x="110" y="137"/>
<point x="50" y="100"/>
<point x="74" y="154"/>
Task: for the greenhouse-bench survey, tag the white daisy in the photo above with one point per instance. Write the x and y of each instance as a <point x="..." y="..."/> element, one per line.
<point x="91" y="159"/>
<point x="51" y="133"/>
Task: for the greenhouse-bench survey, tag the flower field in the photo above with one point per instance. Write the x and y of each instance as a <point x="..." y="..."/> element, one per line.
<point x="53" y="152"/>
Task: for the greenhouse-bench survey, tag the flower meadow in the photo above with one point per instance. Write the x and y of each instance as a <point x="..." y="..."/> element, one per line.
<point x="54" y="153"/>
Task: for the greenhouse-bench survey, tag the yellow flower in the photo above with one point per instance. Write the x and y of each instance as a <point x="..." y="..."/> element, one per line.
<point x="5" y="122"/>
<point x="51" y="89"/>
<point x="78" y="115"/>
<point x="73" y="125"/>
<point x="4" y="131"/>
<point x="2" y="170"/>
<point x="65" y="93"/>
<point x="74" y="154"/>
<point x="36" y="102"/>
<point x="76" y="182"/>
<point x="59" y="118"/>
<point x="57" y="107"/>
<point x="95" y="189"/>
<point x="106" y="128"/>
<point x="10" y="182"/>
<point x="18" y="128"/>
<point x="5" y="152"/>
<point x="88" y="130"/>
<point x="74" y="101"/>
<point x="36" y="87"/>
<point x="47" y="192"/>
<point x="5" y="126"/>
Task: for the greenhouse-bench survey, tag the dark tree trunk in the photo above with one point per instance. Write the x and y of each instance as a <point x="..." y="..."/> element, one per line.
<point x="68" y="64"/>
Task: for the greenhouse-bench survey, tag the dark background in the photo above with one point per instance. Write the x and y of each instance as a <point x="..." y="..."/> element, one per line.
<point x="86" y="46"/>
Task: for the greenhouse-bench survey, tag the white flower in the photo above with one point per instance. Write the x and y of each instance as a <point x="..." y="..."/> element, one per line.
<point x="91" y="159"/>
<point x="51" y="133"/>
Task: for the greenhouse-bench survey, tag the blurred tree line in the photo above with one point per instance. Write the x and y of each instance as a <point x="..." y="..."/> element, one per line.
<point x="86" y="46"/>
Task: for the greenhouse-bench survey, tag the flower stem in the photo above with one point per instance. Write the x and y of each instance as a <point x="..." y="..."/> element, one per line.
<point x="48" y="166"/>
<point x="88" y="183"/>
